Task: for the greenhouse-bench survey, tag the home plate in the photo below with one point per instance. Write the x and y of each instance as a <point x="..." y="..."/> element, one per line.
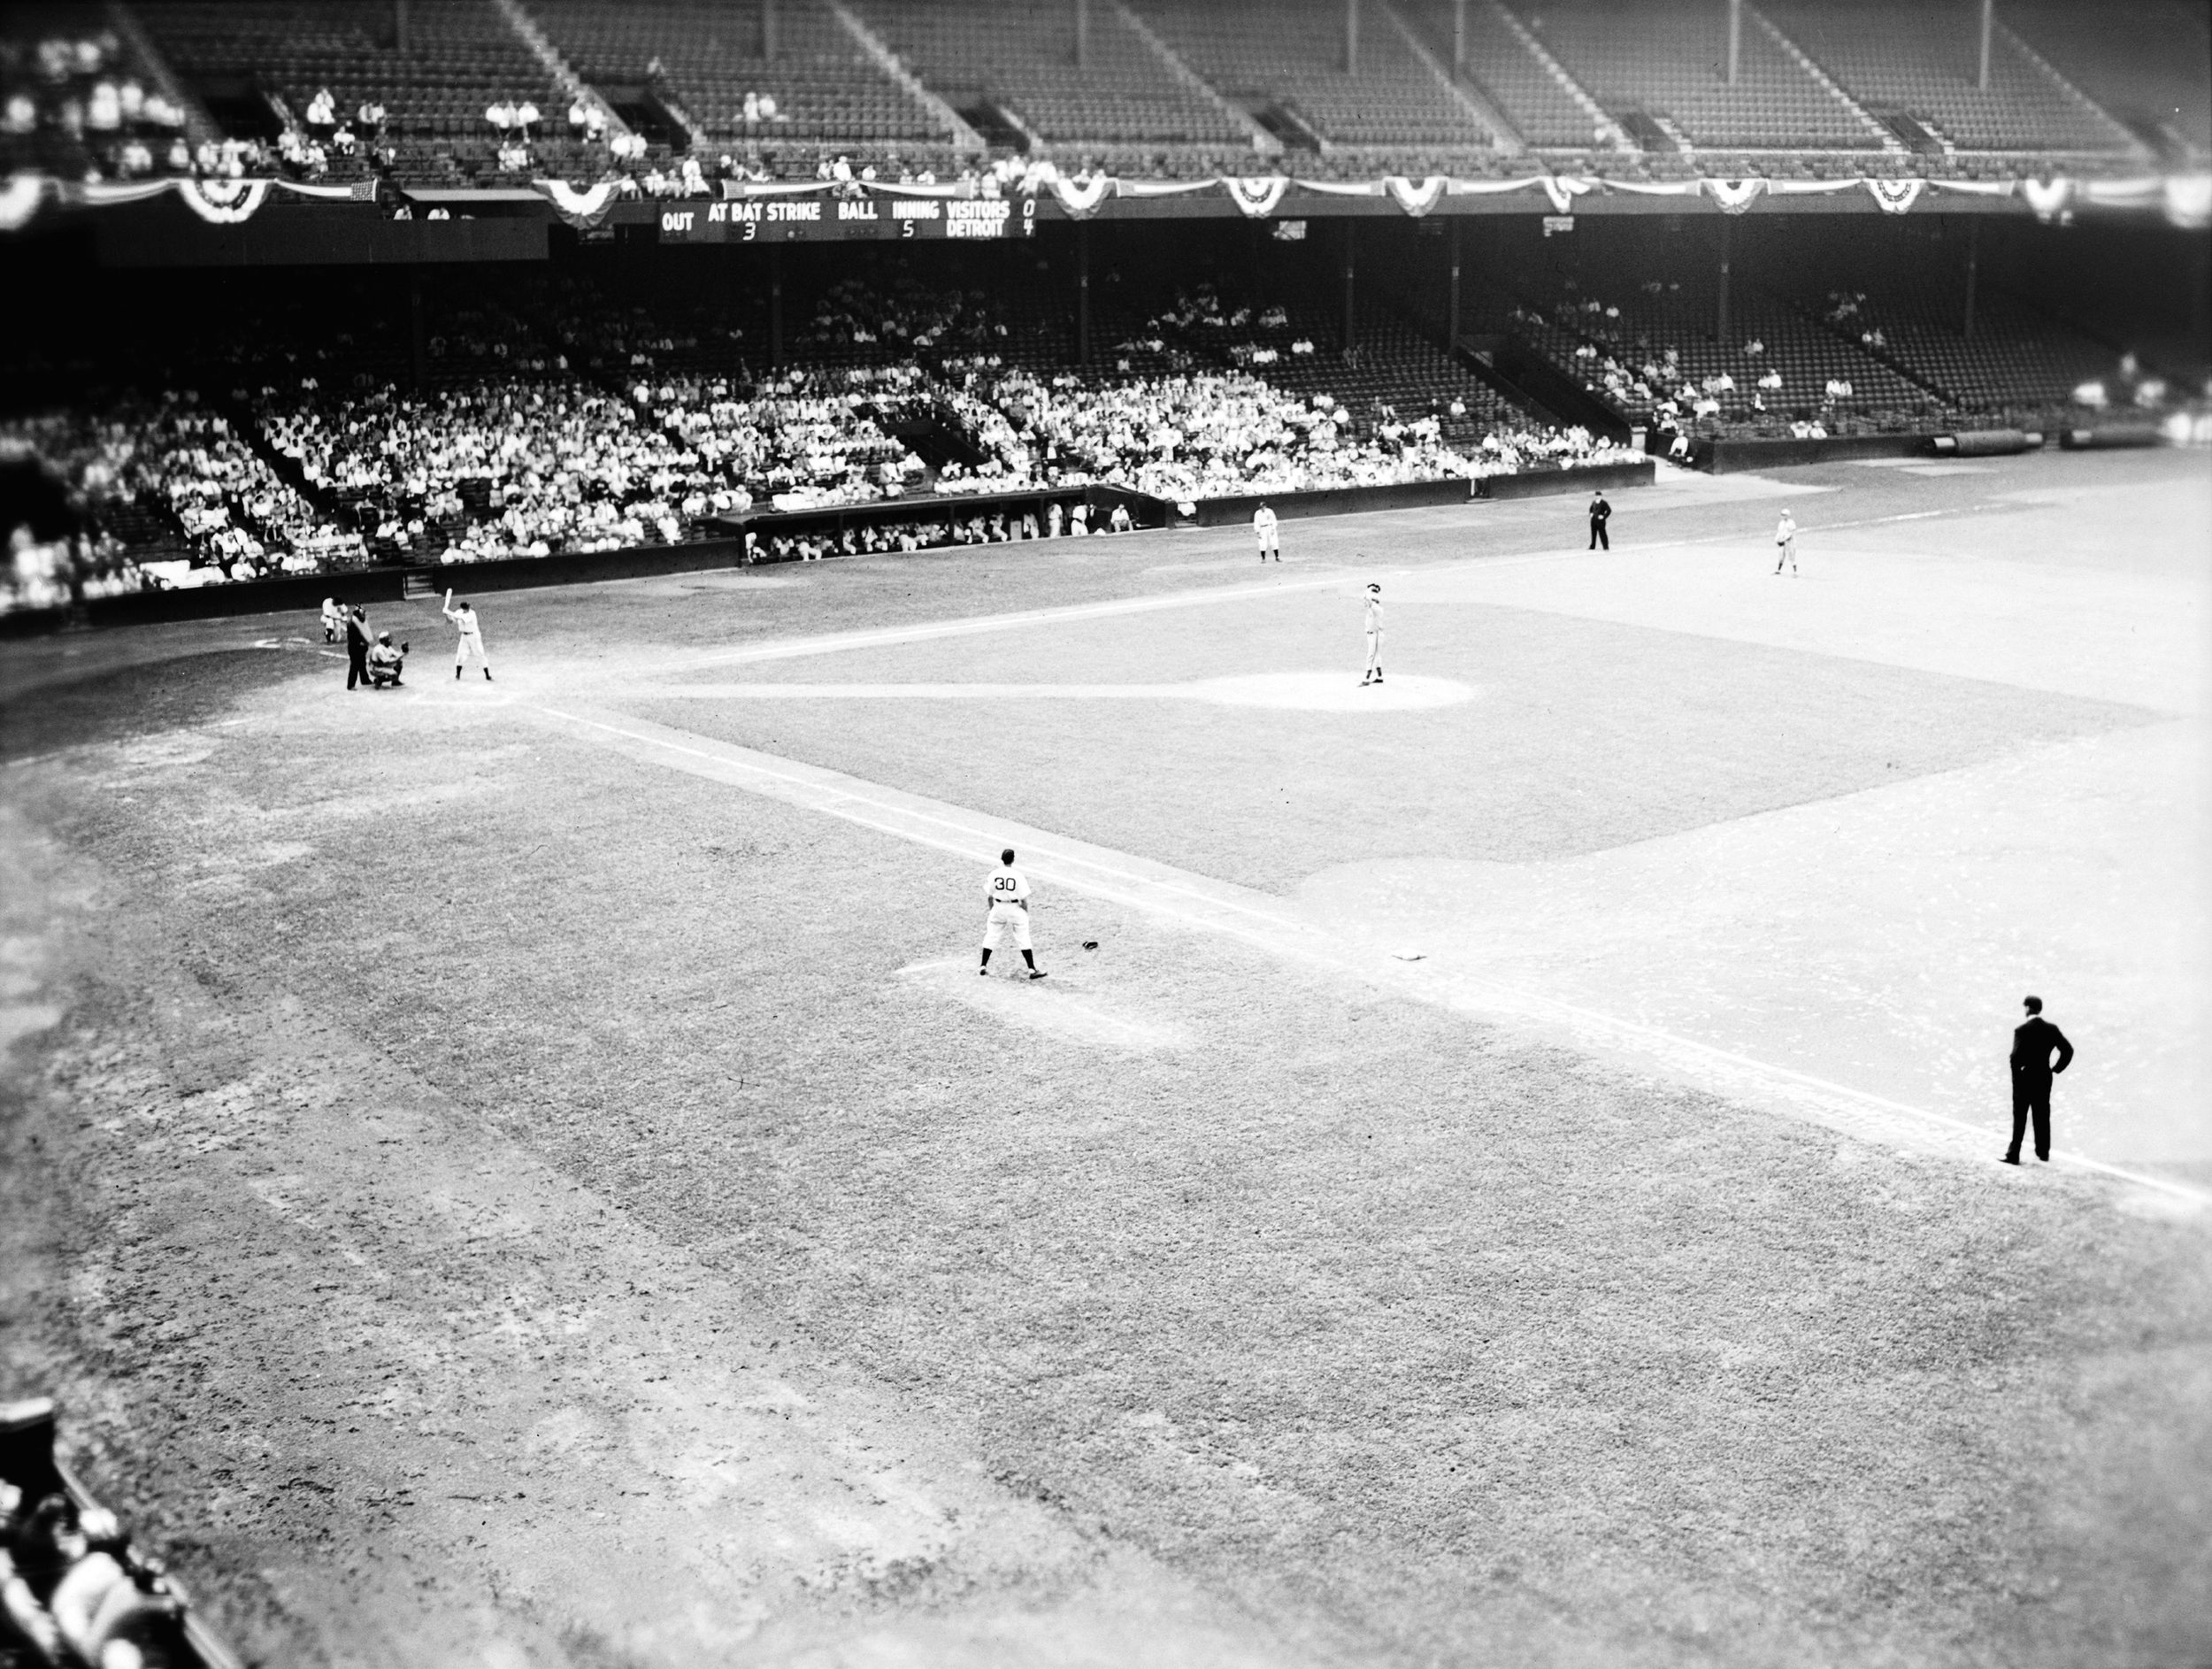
<point x="1039" y="1005"/>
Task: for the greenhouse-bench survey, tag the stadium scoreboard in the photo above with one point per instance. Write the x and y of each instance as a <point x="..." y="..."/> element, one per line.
<point x="833" y="220"/>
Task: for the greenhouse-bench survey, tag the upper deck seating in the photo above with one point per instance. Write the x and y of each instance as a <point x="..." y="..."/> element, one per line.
<point x="2146" y="62"/>
<point x="709" y="56"/>
<point x="1291" y="52"/>
<point x="1021" y="54"/>
<point x="1524" y="89"/>
<point x="74" y="101"/>
<point x="1923" y="61"/>
<point x="1669" y="59"/>
<point x="462" y="57"/>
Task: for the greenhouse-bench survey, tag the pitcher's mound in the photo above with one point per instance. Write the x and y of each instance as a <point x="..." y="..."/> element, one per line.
<point x="1332" y="692"/>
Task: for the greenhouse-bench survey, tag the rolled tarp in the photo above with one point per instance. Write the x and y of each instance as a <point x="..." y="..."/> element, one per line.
<point x="1987" y="442"/>
<point x="2104" y="435"/>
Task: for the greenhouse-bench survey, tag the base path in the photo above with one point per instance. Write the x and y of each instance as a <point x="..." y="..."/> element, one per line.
<point x="1280" y="928"/>
<point x="1307" y="692"/>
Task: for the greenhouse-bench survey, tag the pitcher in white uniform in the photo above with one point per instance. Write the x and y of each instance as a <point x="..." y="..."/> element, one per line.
<point x="470" y="644"/>
<point x="1008" y="893"/>
<point x="1374" y="637"/>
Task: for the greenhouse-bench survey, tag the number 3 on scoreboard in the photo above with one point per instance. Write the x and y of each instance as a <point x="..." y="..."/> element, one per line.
<point x="749" y="229"/>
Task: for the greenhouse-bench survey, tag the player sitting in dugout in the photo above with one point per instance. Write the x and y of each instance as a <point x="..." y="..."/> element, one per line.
<point x="384" y="662"/>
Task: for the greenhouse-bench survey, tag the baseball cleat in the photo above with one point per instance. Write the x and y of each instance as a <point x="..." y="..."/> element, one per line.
<point x="1036" y="973"/>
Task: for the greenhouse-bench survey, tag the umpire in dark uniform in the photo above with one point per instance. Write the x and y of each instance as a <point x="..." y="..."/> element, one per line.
<point x="1601" y="512"/>
<point x="2032" y="1070"/>
<point x="357" y="647"/>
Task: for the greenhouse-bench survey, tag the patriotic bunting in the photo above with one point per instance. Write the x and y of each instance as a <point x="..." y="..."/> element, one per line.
<point x="582" y="210"/>
<point x="20" y="199"/>
<point x="2047" y="197"/>
<point x="1735" y="196"/>
<point x="1257" y="197"/>
<point x="223" y="202"/>
<point x="1894" y="196"/>
<point x="2184" y="200"/>
<point x="1416" y="200"/>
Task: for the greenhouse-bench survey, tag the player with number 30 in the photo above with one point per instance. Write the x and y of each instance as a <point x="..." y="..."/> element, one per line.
<point x="1008" y="894"/>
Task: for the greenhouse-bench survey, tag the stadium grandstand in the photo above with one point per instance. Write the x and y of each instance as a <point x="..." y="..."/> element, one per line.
<point x="511" y="279"/>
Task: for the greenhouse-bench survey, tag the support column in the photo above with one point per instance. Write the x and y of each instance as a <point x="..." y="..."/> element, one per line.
<point x="1727" y="243"/>
<point x="1351" y="37"/>
<point x="2199" y="290"/>
<point x="1351" y="318"/>
<point x="1451" y="303"/>
<point x="1082" y="292"/>
<point x="768" y="30"/>
<point x="403" y="36"/>
<point x="1082" y="35"/>
<point x="1973" y="274"/>
<point x="1735" y="40"/>
<point x="1989" y="19"/>
<point x="1459" y="37"/>
<point x="418" y="349"/>
<point x="775" y="304"/>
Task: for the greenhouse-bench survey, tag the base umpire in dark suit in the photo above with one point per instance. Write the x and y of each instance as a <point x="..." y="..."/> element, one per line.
<point x="1601" y="512"/>
<point x="2032" y="1070"/>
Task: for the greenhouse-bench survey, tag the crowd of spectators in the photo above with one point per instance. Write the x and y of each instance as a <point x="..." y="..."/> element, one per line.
<point x="167" y="494"/>
<point x="557" y="418"/>
<point x="802" y="439"/>
<point x="1206" y="434"/>
<point x="77" y="1592"/>
<point x="1042" y="519"/>
<point x="1686" y="388"/>
<point x="495" y="468"/>
<point x="56" y="572"/>
<point x="76" y="106"/>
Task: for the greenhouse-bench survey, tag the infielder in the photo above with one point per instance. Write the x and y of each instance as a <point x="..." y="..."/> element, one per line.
<point x="1263" y="529"/>
<point x="1785" y="542"/>
<point x="1374" y="637"/>
<point x="1009" y="907"/>
<point x="471" y="643"/>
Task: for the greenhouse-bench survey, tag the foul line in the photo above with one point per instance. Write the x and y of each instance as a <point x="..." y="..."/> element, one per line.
<point x="881" y="637"/>
<point x="1157" y="889"/>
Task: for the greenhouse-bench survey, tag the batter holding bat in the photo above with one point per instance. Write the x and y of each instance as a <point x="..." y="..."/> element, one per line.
<point x="471" y="646"/>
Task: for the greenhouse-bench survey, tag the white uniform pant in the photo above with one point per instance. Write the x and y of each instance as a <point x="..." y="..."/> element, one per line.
<point x="1270" y="545"/>
<point x="1374" y="651"/>
<point x="1008" y="916"/>
<point x="1786" y="551"/>
<point x="471" y="646"/>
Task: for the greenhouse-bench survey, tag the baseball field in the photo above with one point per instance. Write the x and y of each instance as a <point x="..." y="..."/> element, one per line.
<point x="526" y="1173"/>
